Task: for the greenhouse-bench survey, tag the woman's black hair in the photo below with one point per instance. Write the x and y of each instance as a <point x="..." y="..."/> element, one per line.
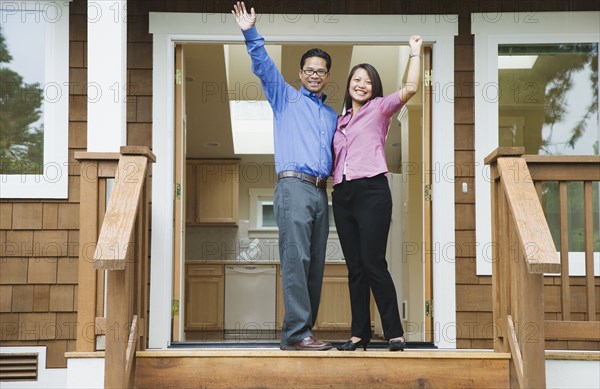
<point x="316" y="53"/>
<point x="377" y="87"/>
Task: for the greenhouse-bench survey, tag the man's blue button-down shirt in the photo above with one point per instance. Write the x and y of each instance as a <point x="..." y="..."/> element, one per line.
<point x="303" y="124"/>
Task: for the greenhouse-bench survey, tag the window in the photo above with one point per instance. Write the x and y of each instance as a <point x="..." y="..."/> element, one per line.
<point x="266" y="214"/>
<point x="549" y="105"/>
<point x="262" y="215"/>
<point x="34" y="95"/>
<point x="538" y="88"/>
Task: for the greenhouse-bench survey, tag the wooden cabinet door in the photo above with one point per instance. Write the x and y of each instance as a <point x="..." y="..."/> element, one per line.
<point x="334" y="311"/>
<point x="217" y="191"/>
<point x="204" y="297"/>
<point x="212" y="192"/>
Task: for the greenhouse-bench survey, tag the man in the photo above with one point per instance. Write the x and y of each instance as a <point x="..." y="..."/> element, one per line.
<point x="303" y="131"/>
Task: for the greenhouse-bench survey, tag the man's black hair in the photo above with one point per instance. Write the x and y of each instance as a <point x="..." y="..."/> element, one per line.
<point x="316" y="53"/>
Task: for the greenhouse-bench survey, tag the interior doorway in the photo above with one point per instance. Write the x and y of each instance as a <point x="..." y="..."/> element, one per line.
<point x="216" y="96"/>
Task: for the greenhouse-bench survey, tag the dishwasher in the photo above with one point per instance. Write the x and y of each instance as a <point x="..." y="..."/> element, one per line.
<point x="250" y="302"/>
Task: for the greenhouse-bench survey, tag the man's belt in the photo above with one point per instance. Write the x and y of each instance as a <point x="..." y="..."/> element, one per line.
<point x="316" y="181"/>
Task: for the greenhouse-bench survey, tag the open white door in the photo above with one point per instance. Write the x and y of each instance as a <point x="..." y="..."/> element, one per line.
<point x="179" y="209"/>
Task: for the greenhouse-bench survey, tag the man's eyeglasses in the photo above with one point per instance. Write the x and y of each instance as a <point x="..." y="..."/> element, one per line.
<point x="310" y="72"/>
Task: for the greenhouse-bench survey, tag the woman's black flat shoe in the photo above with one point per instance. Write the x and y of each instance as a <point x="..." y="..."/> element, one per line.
<point x="350" y="346"/>
<point x="397" y="345"/>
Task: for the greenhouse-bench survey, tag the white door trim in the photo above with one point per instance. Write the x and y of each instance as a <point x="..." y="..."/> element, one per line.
<point x="168" y="28"/>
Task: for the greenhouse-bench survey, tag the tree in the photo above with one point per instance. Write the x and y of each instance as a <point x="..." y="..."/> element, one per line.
<point x="561" y="82"/>
<point x="21" y="142"/>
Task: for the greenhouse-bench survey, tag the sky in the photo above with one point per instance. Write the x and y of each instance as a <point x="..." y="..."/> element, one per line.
<point x="26" y="44"/>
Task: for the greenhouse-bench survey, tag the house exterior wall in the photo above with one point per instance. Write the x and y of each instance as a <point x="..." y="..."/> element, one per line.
<point x="39" y="243"/>
<point x="39" y="239"/>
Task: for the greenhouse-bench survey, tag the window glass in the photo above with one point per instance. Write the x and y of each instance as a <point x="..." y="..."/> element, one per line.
<point x="268" y="216"/>
<point x="549" y="98"/>
<point x="549" y="105"/>
<point x="22" y="66"/>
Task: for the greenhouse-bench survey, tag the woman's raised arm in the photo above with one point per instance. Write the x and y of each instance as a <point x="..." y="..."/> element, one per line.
<point x="414" y="69"/>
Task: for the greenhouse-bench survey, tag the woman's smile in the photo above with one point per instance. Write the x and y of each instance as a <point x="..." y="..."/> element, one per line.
<point x="361" y="88"/>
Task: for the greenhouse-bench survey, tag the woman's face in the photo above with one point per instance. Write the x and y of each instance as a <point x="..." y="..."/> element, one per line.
<point x="360" y="88"/>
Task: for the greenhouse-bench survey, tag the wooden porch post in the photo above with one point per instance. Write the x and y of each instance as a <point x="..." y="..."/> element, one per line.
<point x="95" y="169"/>
<point x="88" y="234"/>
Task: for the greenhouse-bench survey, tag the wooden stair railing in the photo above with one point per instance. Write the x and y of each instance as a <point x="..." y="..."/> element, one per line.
<point x="562" y="170"/>
<point x="523" y="250"/>
<point x="119" y="252"/>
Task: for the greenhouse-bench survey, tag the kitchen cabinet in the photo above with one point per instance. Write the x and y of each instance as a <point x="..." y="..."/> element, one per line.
<point x="212" y="192"/>
<point x="334" y="310"/>
<point x="204" y="297"/>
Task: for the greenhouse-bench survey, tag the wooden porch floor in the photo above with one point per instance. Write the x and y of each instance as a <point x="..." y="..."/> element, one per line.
<point x="273" y="368"/>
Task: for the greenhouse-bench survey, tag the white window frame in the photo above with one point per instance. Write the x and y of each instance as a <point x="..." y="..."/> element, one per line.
<point x="260" y="196"/>
<point x="491" y="30"/>
<point x="259" y="214"/>
<point x="53" y="183"/>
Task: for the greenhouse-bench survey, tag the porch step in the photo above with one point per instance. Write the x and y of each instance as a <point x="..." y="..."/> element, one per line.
<point x="270" y="368"/>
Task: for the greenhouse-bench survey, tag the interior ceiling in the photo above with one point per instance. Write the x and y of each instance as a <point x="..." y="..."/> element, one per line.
<point x="216" y="73"/>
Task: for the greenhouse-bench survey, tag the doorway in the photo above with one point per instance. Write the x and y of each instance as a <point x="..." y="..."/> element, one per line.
<point x="227" y="120"/>
<point x="168" y="28"/>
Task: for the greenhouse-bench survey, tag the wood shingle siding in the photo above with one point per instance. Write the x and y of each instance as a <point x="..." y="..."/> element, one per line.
<point x="41" y="270"/>
<point x="27" y="216"/>
<point x="473" y="316"/>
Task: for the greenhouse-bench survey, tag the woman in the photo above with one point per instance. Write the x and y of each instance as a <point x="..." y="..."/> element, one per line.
<point x="362" y="203"/>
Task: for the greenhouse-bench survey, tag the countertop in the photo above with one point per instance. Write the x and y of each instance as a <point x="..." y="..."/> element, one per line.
<point x="242" y="262"/>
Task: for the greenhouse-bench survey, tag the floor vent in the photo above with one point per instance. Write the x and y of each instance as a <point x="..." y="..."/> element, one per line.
<point x="18" y="367"/>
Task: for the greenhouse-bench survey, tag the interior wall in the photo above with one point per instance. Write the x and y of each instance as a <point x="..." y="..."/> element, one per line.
<point x="207" y="102"/>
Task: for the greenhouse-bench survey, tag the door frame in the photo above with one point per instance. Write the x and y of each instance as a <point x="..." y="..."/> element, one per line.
<point x="168" y="28"/>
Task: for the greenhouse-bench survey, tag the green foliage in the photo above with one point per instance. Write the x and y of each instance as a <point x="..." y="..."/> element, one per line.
<point x="21" y="143"/>
<point x="561" y="82"/>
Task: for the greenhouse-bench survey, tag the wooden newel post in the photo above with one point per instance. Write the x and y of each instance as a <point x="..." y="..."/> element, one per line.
<point x="500" y="270"/>
<point x="121" y="252"/>
<point x="114" y="238"/>
<point x="95" y="168"/>
<point x="522" y="251"/>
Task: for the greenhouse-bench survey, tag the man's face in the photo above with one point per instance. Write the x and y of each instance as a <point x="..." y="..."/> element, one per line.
<point x="314" y="83"/>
